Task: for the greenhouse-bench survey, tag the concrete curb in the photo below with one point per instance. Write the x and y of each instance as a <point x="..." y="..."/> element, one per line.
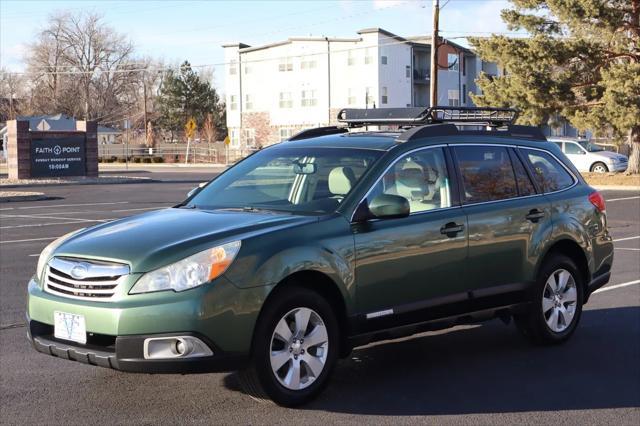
<point x="80" y="182"/>
<point x="24" y="196"/>
<point x="616" y="188"/>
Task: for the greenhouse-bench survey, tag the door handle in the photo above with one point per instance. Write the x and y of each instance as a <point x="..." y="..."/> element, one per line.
<point x="534" y="215"/>
<point x="451" y="229"/>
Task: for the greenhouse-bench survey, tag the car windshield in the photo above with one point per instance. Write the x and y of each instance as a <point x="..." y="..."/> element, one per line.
<point x="591" y="147"/>
<point x="296" y="180"/>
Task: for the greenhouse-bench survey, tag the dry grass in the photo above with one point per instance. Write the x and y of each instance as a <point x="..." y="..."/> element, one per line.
<point x="612" y="179"/>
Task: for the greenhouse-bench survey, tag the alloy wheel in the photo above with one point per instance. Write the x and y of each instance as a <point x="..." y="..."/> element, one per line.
<point x="299" y="348"/>
<point x="599" y="168"/>
<point x="559" y="299"/>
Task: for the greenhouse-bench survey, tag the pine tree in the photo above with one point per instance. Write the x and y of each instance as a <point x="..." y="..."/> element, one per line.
<point x="185" y="95"/>
<point x="581" y="62"/>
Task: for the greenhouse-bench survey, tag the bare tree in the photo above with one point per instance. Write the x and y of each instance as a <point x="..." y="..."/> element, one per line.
<point x="82" y="67"/>
<point x="12" y="95"/>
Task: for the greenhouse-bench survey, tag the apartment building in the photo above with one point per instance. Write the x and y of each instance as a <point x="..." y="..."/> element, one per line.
<point x="276" y="90"/>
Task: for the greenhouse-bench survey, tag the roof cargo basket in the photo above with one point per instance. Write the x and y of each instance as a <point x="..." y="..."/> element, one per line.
<point x="481" y="116"/>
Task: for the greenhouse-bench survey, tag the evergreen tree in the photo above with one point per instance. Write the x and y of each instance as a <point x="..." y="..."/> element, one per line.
<point x="185" y="95"/>
<point x="581" y="62"/>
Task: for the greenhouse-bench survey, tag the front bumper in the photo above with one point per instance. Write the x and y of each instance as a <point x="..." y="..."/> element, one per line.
<point x="125" y="353"/>
<point x="617" y="167"/>
<point x="220" y="314"/>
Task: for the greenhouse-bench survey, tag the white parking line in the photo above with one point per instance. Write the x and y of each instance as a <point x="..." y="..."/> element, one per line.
<point x="144" y="208"/>
<point x="34" y="255"/>
<point x="28" y="240"/>
<point x="613" y="287"/>
<point x="622" y="199"/>
<point x="626" y="239"/>
<point x="626" y="248"/>
<point x="8" y="216"/>
<point x="76" y="221"/>
<point x="73" y="205"/>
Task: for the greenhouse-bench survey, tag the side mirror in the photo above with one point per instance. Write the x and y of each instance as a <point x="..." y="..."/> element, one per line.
<point x="387" y="206"/>
<point x="195" y="190"/>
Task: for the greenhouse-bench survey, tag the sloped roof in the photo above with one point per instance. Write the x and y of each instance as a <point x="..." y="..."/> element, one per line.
<point x="57" y="123"/>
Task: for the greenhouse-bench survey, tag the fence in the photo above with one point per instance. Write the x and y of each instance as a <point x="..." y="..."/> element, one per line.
<point x="216" y="153"/>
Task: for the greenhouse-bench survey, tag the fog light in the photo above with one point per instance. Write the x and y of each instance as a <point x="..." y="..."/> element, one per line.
<point x="175" y="347"/>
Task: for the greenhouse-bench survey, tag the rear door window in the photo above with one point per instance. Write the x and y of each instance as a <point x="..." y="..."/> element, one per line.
<point x="572" y="148"/>
<point x="547" y="171"/>
<point x="487" y="174"/>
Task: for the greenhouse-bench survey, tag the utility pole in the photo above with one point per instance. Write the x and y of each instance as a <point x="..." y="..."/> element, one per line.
<point x="144" y="93"/>
<point x="433" y="81"/>
<point x="328" y="81"/>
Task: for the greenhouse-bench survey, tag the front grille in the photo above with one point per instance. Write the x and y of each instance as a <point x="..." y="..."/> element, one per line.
<point x="83" y="279"/>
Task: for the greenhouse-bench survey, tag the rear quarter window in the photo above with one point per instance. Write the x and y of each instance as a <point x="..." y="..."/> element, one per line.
<point x="547" y="171"/>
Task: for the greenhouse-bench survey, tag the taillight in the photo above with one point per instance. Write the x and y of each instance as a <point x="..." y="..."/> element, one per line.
<point x="598" y="201"/>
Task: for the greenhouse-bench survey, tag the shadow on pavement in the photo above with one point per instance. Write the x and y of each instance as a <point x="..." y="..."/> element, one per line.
<point x="490" y="369"/>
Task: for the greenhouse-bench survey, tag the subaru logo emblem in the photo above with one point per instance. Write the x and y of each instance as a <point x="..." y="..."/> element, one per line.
<point x="79" y="271"/>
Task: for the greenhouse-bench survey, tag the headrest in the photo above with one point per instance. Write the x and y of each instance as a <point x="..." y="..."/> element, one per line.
<point x="341" y="179"/>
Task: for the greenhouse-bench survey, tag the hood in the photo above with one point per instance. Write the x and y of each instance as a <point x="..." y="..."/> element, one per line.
<point x="611" y="155"/>
<point x="154" y="239"/>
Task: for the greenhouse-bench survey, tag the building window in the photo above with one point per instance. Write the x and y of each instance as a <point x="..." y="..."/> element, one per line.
<point x="407" y="71"/>
<point x="452" y="62"/>
<point x="351" y="59"/>
<point x="464" y="65"/>
<point x="285" y="65"/>
<point x="307" y="64"/>
<point x="286" y="133"/>
<point x="248" y="102"/>
<point x="383" y="59"/>
<point x="233" y="67"/>
<point x="309" y="98"/>
<point x="454" y="98"/>
<point x="384" y="95"/>
<point x="367" y="56"/>
<point x="250" y="137"/>
<point x="351" y="100"/>
<point x="233" y="102"/>
<point x="464" y="94"/>
<point x="233" y="137"/>
<point x="285" y="100"/>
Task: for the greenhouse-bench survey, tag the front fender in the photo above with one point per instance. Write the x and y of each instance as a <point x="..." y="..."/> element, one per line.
<point x="326" y="247"/>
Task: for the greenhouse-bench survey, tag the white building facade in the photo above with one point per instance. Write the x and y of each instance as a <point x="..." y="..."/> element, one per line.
<point x="277" y="90"/>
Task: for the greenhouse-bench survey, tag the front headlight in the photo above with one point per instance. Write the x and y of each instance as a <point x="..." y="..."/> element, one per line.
<point x="48" y="250"/>
<point x="190" y="272"/>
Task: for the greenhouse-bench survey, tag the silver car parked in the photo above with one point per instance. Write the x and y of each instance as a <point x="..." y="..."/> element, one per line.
<point x="588" y="157"/>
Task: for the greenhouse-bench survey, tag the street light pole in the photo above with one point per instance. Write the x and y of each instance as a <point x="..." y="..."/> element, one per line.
<point x="433" y="81"/>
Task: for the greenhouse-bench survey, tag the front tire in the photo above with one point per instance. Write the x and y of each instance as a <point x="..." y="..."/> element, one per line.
<point x="295" y="348"/>
<point x="599" y="167"/>
<point x="556" y="304"/>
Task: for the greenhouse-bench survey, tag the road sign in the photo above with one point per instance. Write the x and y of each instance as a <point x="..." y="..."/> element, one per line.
<point x="190" y="127"/>
<point x="227" y="141"/>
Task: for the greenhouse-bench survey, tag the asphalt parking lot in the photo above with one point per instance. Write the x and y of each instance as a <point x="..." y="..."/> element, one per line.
<point x="481" y="374"/>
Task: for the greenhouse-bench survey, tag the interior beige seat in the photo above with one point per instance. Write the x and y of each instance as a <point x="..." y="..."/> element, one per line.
<point x="341" y="180"/>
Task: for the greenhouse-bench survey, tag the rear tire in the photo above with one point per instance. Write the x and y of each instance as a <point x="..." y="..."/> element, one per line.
<point x="599" y="167"/>
<point x="556" y="303"/>
<point x="295" y="348"/>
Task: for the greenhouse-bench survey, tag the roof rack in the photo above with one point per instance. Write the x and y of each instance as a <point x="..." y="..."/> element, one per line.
<point x="318" y="131"/>
<point x="481" y="116"/>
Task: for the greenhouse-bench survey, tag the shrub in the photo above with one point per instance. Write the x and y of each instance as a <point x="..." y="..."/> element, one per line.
<point x="122" y="160"/>
<point x="157" y="160"/>
<point x="146" y="160"/>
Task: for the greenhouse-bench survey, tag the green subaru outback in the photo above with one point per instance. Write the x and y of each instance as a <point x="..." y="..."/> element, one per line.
<point x="329" y="241"/>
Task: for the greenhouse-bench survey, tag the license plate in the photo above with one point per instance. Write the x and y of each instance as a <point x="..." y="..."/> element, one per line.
<point x="69" y="327"/>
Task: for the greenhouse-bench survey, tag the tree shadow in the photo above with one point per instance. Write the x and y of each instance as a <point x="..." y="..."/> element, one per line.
<point x="489" y="369"/>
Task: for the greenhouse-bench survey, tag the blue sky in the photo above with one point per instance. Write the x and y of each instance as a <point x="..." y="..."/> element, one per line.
<point x="194" y="30"/>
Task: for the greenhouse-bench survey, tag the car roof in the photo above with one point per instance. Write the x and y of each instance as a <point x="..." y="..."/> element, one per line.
<point x="386" y="140"/>
<point x="381" y="141"/>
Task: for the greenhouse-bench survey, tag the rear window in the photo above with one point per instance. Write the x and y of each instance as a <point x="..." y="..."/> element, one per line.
<point x="547" y="171"/>
<point x="487" y="174"/>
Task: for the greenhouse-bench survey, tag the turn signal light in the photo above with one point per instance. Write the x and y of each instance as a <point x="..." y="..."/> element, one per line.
<point x="598" y="201"/>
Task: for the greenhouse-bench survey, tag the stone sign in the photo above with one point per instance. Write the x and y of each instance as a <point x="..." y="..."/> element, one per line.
<point x="58" y="157"/>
